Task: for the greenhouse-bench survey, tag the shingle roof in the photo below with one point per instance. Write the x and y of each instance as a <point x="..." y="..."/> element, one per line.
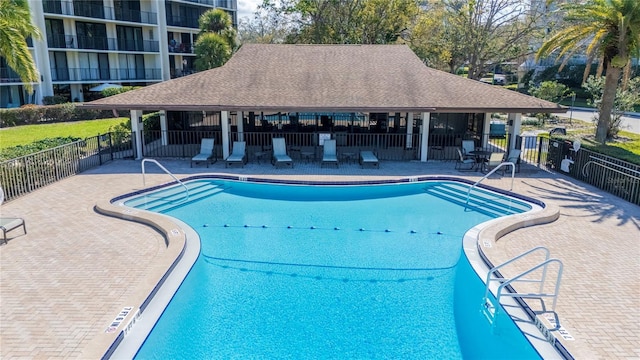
<point x="346" y="78"/>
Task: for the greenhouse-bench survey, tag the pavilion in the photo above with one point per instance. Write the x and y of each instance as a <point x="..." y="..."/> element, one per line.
<point x="385" y="89"/>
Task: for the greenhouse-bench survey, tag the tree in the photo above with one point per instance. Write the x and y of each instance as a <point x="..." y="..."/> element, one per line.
<point x="551" y="91"/>
<point x="216" y="41"/>
<point x="15" y="28"/>
<point x="610" y="28"/>
<point x="474" y="33"/>
<point x="625" y="100"/>
<point x="269" y="25"/>
<point x="435" y="40"/>
<point x="351" y="21"/>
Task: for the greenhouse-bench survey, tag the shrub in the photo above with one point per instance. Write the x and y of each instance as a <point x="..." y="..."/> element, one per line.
<point x="33" y="114"/>
<point x="54" y="100"/>
<point x="116" y="91"/>
<point x="34" y="147"/>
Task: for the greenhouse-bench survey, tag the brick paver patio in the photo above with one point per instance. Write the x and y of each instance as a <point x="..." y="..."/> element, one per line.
<point x="63" y="283"/>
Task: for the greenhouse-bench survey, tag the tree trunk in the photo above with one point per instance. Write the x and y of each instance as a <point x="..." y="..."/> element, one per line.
<point x="608" y="98"/>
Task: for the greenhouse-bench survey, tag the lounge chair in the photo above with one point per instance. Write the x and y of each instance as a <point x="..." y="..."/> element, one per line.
<point x="463" y="161"/>
<point x="206" y="153"/>
<point x="8" y="224"/>
<point x="280" y="156"/>
<point x="238" y="154"/>
<point x="513" y="157"/>
<point x="329" y="155"/>
<point x="494" y="160"/>
<point x="368" y="159"/>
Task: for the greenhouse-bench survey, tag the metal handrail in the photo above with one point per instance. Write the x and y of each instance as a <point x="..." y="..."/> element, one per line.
<point x="496" y="268"/>
<point x="165" y="170"/>
<point x="491" y="309"/>
<point x="544" y="264"/>
<point x="596" y="160"/>
<point x="506" y="163"/>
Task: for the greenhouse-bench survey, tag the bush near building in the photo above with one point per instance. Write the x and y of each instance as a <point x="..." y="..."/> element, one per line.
<point x="35" y="114"/>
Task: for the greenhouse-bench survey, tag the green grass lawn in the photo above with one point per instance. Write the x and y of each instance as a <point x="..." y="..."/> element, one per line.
<point x="24" y="135"/>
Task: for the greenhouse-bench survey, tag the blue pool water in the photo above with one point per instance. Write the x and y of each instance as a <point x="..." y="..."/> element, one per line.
<point x="324" y="272"/>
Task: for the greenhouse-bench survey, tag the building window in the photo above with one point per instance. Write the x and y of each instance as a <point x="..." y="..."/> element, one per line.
<point x="127" y="10"/>
<point x="55" y="33"/>
<point x="92" y="36"/>
<point x="129" y="38"/>
<point x="58" y="64"/>
<point x="89" y="8"/>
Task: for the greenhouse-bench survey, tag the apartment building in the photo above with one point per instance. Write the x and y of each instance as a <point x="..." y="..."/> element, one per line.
<point x="90" y="42"/>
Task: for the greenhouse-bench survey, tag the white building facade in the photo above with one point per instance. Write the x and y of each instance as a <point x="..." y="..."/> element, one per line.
<point x="91" y="42"/>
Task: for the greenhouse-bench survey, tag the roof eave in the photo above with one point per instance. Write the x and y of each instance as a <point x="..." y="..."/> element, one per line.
<point x="199" y="107"/>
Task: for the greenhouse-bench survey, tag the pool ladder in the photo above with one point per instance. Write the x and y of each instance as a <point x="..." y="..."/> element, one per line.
<point x="491" y="308"/>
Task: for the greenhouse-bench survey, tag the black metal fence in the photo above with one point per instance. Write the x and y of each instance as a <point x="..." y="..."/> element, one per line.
<point x="25" y="174"/>
<point x="612" y="175"/>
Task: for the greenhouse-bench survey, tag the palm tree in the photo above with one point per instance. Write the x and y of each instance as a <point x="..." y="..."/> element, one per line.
<point x="217" y="40"/>
<point x="609" y="28"/>
<point x="15" y="28"/>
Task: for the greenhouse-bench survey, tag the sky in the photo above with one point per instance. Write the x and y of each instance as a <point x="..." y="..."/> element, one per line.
<point x="246" y="8"/>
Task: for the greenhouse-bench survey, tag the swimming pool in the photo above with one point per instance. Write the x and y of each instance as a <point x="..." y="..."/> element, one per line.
<point x="369" y="271"/>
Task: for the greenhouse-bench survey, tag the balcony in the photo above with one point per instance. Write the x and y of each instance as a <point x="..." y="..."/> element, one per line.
<point x="91" y="10"/>
<point x="95" y="43"/>
<point x="57" y="7"/>
<point x="217" y="3"/>
<point x="104" y="74"/>
<point x="144" y="17"/>
<point x="188" y="22"/>
<point x="137" y="45"/>
<point x="7" y="75"/>
<point x="182" y="48"/>
<point x="61" y="41"/>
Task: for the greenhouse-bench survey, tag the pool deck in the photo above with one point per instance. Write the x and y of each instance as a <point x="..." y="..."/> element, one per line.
<point x="64" y="282"/>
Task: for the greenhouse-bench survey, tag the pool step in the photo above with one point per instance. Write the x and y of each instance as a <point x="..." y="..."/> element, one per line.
<point x="175" y="196"/>
<point x="479" y="199"/>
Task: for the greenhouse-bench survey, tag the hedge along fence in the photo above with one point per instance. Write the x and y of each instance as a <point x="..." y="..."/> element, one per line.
<point x="35" y="114"/>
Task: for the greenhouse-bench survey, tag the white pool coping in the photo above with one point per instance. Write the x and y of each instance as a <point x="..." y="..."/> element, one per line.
<point x="133" y="340"/>
<point x="471" y="244"/>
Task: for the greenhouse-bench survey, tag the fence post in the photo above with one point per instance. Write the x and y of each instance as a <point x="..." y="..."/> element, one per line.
<point x="110" y="146"/>
<point x="540" y="150"/>
<point x="55" y="164"/>
<point x="99" y="149"/>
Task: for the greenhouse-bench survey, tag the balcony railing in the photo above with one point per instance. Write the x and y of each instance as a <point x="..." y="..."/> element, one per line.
<point x="145" y="17"/>
<point x="60" y="41"/>
<point x="57" y="7"/>
<point x="136" y="45"/>
<point x="217" y="3"/>
<point x="182" y="48"/>
<point x="104" y="74"/>
<point x="189" y="22"/>
<point x="7" y="75"/>
<point x="95" y="43"/>
<point x="176" y="73"/>
<point x="86" y="9"/>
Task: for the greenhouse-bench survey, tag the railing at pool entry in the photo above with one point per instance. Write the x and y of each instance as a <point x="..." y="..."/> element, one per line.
<point x="490" y="308"/>
<point x="144" y="161"/>
<point x="513" y="175"/>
